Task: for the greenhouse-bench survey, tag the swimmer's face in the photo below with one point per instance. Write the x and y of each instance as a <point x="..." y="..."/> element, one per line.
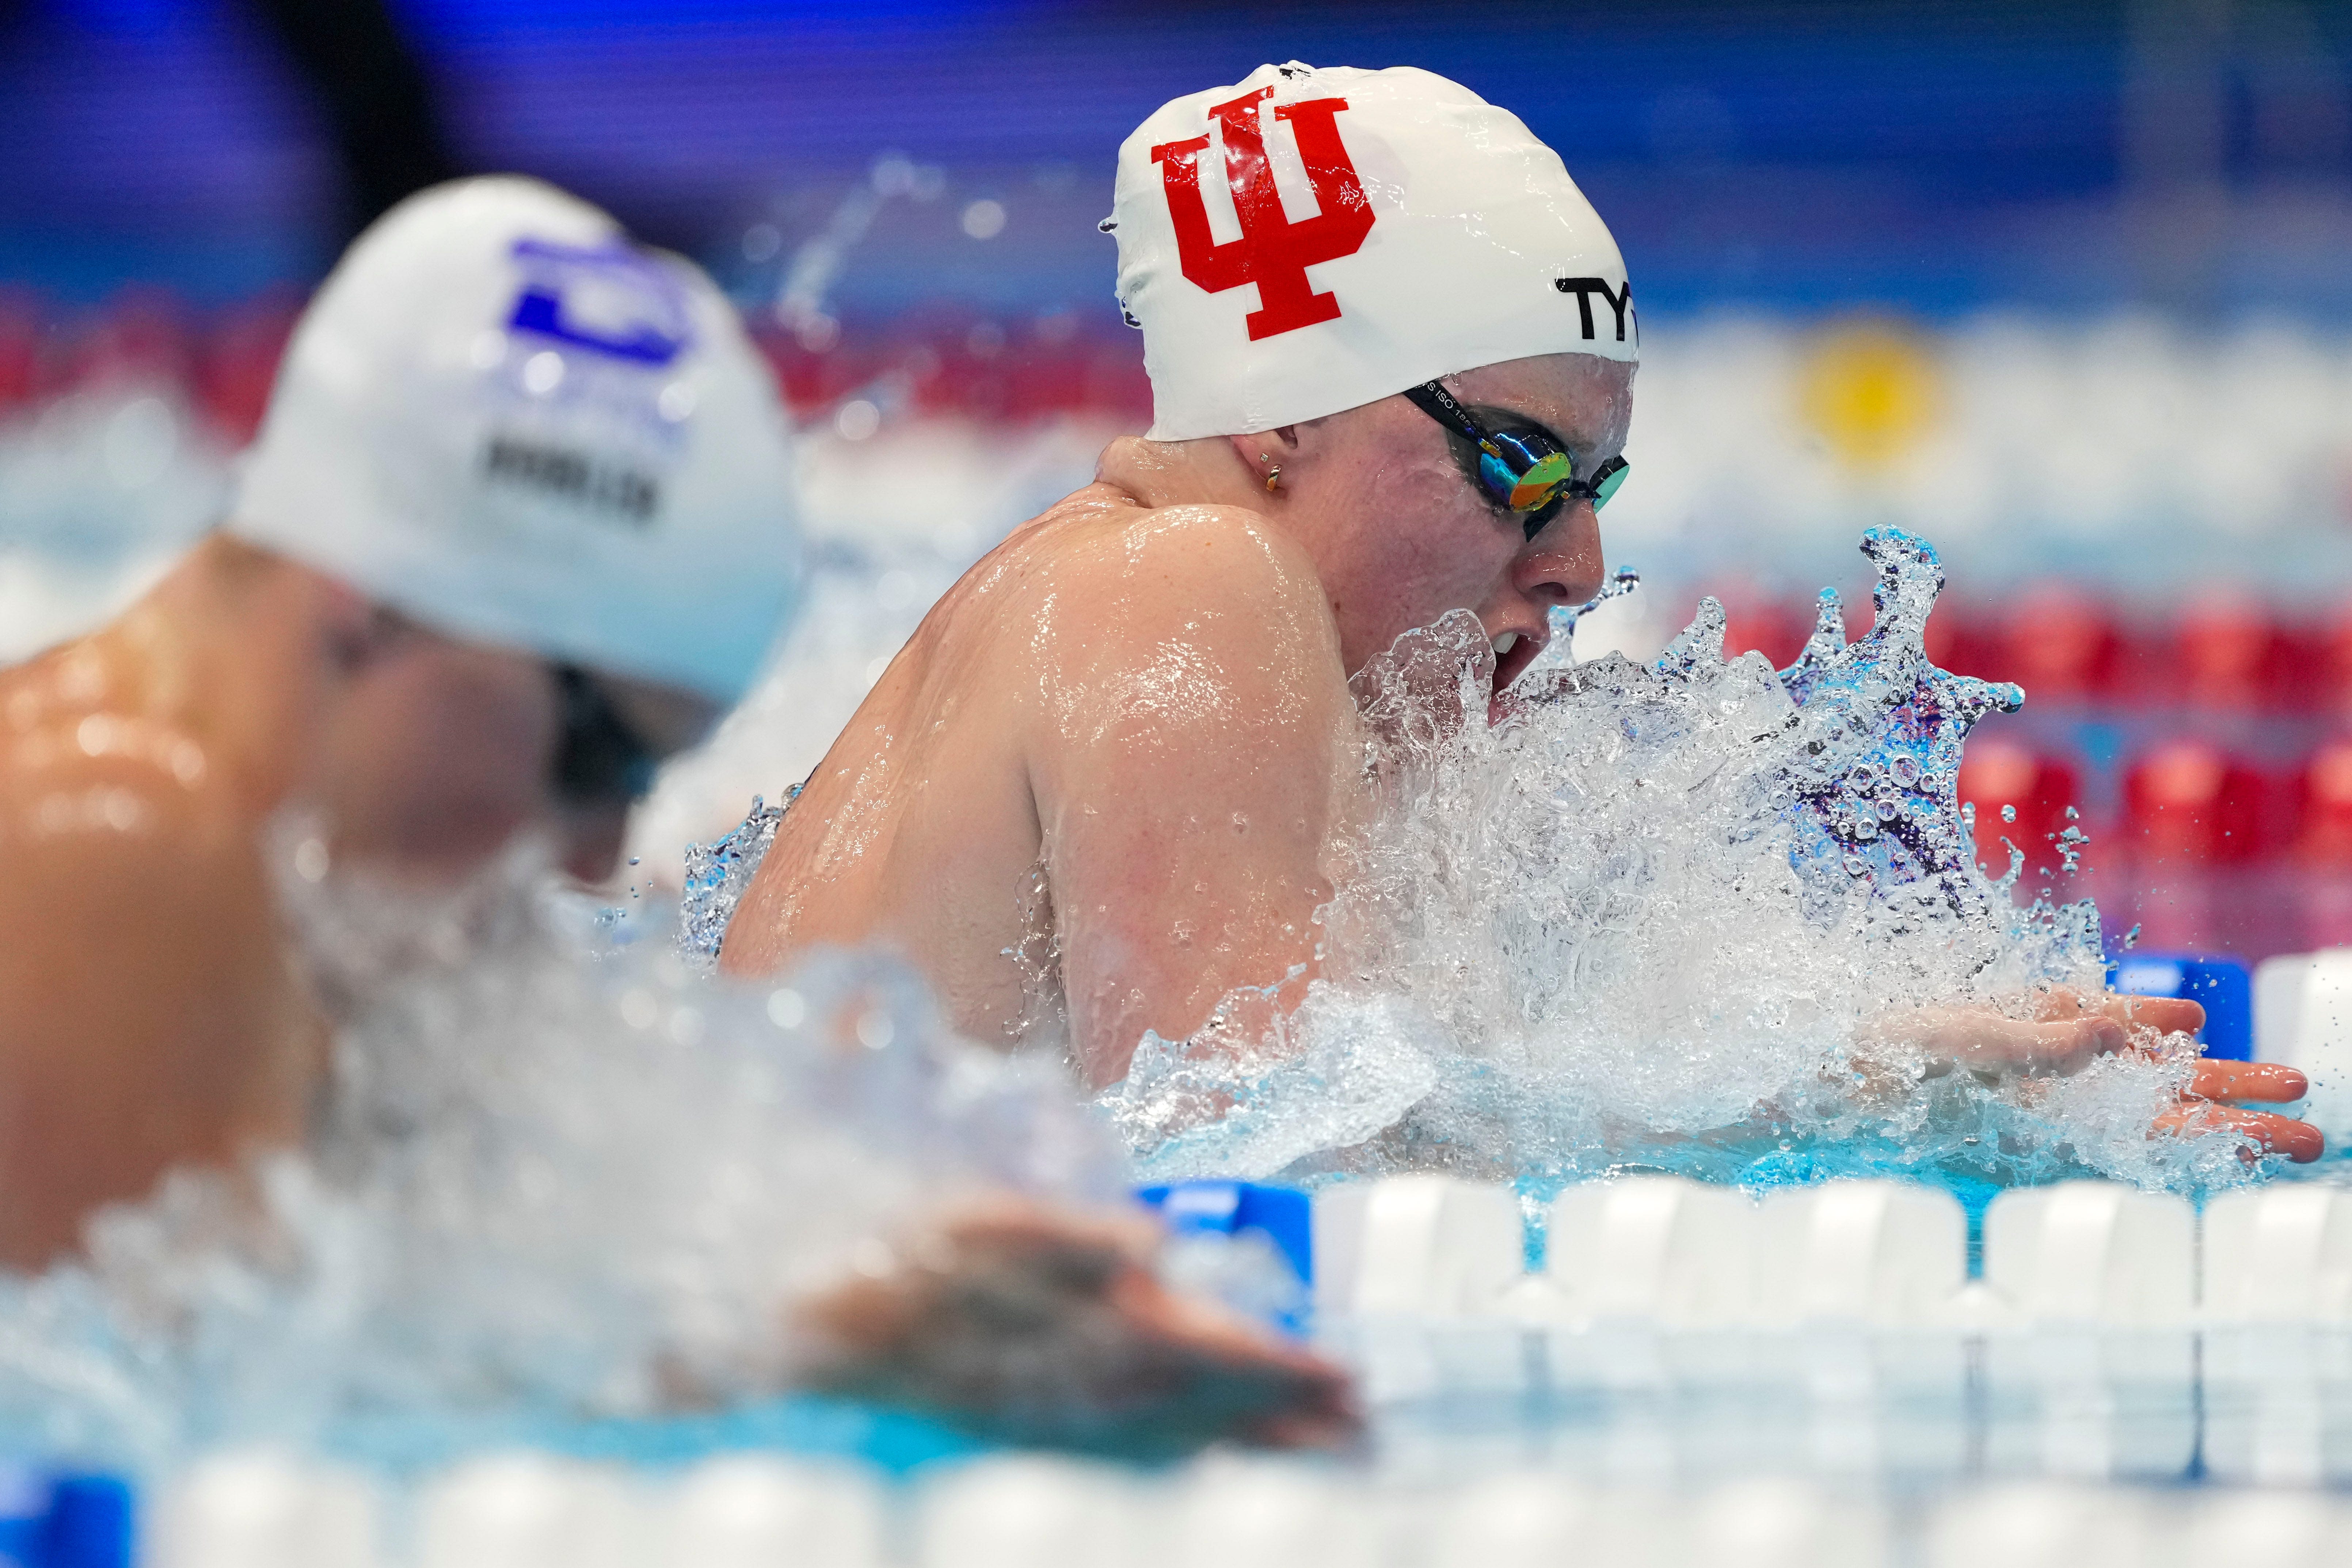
<point x="1401" y="533"/>
<point x="441" y="751"/>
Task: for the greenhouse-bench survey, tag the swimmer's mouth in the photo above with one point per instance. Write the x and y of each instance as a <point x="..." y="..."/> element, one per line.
<point x="1514" y="651"/>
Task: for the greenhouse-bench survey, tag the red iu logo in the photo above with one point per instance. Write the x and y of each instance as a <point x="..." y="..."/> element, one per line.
<point x="1274" y="252"/>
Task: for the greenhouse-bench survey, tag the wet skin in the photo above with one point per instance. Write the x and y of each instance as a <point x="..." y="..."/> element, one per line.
<point x="148" y="1016"/>
<point x="1126" y="734"/>
<point x="1140" y="699"/>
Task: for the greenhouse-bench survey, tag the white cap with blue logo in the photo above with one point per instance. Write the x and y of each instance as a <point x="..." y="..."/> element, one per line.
<point x="1310" y="240"/>
<point x="502" y="417"/>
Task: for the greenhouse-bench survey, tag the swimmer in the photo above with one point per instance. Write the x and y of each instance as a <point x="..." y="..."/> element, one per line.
<point x="518" y="527"/>
<point x="1391" y="350"/>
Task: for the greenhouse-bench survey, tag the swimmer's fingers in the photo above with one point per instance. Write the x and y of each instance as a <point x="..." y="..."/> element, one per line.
<point x="1281" y="1395"/>
<point x="1037" y="1325"/>
<point x="2259" y="1083"/>
<point x="2299" y="1141"/>
<point x="1995" y="1046"/>
<point x="2166" y="1015"/>
<point x="1264" y="1393"/>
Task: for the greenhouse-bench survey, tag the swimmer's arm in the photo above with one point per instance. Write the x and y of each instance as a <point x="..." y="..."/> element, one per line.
<point x="147" y="1018"/>
<point x="1187" y="787"/>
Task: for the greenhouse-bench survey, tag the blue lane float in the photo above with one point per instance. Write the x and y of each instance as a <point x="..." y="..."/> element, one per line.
<point x="1282" y="1217"/>
<point x="2219" y="983"/>
<point x="64" y="1520"/>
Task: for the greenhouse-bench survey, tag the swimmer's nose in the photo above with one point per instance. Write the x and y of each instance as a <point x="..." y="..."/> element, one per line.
<point x="592" y="840"/>
<point x="1563" y="564"/>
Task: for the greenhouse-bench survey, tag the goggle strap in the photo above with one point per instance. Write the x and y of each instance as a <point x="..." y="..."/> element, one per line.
<point x="1437" y="403"/>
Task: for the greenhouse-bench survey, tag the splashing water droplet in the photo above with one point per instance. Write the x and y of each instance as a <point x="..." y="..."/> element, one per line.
<point x="718" y="873"/>
<point x="1660" y="898"/>
<point x="1621" y="582"/>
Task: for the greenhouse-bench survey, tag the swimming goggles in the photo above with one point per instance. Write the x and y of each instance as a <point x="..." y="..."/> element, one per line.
<point x="1524" y="470"/>
<point x="598" y="759"/>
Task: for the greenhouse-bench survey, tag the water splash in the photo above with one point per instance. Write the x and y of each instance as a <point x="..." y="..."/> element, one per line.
<point x="1875" y="782"/>
<point x="547" y="1183"/>
<point x="1644" y="918"/>
<point x="718" y="874"/>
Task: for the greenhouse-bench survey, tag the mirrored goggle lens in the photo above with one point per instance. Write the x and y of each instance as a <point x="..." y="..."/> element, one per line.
<point x="1530" y="482"/>
<point x="1607" y="481"/>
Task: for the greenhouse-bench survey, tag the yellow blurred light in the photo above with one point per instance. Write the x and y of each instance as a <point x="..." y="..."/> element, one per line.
<point x="1873" y="390"/>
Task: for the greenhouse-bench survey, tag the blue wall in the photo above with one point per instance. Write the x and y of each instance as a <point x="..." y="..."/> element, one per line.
<point x="1938" y="158"/>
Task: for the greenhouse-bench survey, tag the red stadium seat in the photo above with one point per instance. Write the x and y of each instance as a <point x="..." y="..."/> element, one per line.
<point x="20" y="350"/>
<point x="2188" y="802"/>
<point x="950" y="368"/>
<point x="1998" y="773"/>
<point x="812" y="379"/>
<point x="1955" y="639"/>
<point x="2058" y="642"/>
<point x="239" y="363"/>
<point x="2322" y="859"/>
<point x="2225" y="647"/>
<point x="2326" y="835"/>
<point x="2321" y="666"/>
<point x="143" y="337"/>
<point x="1116" y="385"/>
<point x="2196" y="864"/>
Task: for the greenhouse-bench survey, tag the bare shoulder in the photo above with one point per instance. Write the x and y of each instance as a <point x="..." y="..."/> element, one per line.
<point x="148" y="1016"/>
<point x="117" y="831"/>
<point x="1188" y="630"/>
<point x="1122" y="585"/>
<point x="140" y="948"/>
<point x="1217" y="556"/>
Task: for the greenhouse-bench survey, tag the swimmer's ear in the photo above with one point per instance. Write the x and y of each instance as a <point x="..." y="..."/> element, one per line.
<point x="1265" y="452"/>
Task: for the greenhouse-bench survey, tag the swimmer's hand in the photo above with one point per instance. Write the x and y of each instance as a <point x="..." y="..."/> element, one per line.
<point x="2068" y="1032"/>
<point x="1038" y="1326"/>
<point x="2216" y="1090"/>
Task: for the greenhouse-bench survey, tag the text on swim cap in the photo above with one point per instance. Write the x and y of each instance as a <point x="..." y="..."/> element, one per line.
<point x="573" y="477"/>
<point x="1585" y="287"/>
<point x="1275" y="250"/>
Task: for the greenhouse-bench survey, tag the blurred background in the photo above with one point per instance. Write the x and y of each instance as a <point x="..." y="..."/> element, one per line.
<point x="2065" y="287"/>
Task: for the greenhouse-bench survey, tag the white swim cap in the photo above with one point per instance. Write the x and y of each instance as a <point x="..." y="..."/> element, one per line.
<point x="1396" y="227"/>
<point x="502" y="417"/>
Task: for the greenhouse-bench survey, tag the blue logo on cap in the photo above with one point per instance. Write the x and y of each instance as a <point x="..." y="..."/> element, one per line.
<point x="608" y="300"/>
